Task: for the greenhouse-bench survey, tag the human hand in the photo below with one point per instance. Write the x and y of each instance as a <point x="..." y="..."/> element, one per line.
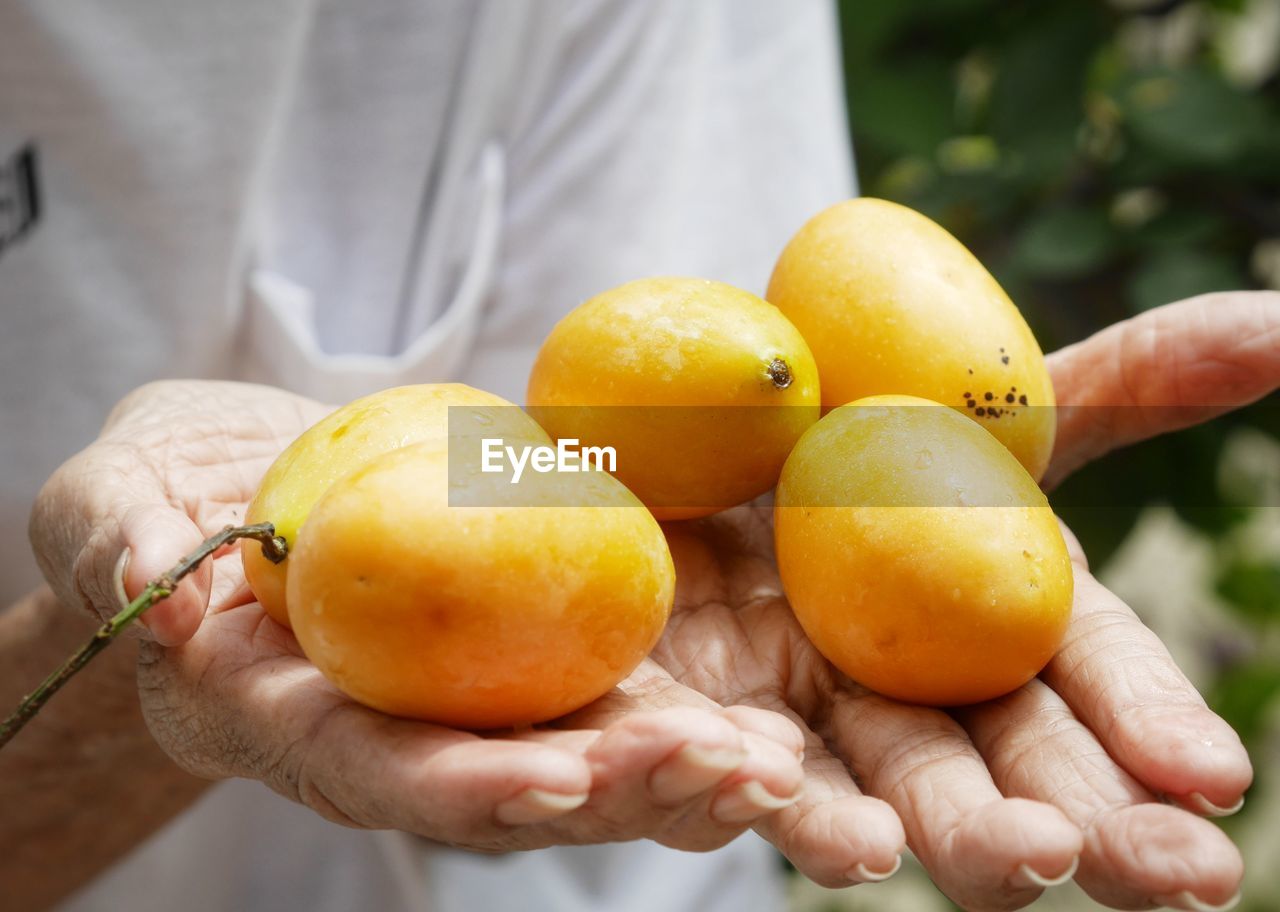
<point x="1002" y="798"/>
<point x="229" y="693"/>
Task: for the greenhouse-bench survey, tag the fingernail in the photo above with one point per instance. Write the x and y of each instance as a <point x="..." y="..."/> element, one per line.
<point x="747" y="802"/>
<point x="1202" y="805"/>
<point x="1035" y="878"/>
<point x="692" y="770"/>
<point x="535" y="805"/>
<point x="859" y="873"/>
<point x="117" y="578"/>
<point x="1191" y="903"/>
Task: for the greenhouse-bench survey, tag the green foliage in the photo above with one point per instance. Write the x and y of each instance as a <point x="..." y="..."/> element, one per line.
<point x="1095" y="173"/>
<point x="1098" y="163"/>
<point x="1101" y="160"/>
<point x="1244" y="694"/>
<point x="1252" y="588"/>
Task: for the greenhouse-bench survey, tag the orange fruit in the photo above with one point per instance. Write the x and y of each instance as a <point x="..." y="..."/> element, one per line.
<point x="346" y="439"/>
<point x="460" y="599"/>
<point x="893" y="304"/>
<point x="919" y="556"/>
<point x="701" y="389"/>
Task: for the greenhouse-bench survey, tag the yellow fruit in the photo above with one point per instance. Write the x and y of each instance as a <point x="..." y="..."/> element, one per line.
<point x="346" y="439"/>
<point x="893" y="304"/>
<point x="525" y="605"/>
<point x="701" y="389"/>
<point x="921" y="559"/>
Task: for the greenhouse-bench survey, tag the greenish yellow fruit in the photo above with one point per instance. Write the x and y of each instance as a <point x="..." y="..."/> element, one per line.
<point x="701" y="389"/>
<point x="345" y="440"/>
<point x="919" y="556"/>
<point x="891" y="303"/>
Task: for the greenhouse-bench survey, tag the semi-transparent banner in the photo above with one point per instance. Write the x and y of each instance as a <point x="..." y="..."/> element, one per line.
<point x="858" y="456"/>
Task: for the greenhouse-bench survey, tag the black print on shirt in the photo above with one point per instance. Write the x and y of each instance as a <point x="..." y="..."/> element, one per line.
<point x="19" y="196"/>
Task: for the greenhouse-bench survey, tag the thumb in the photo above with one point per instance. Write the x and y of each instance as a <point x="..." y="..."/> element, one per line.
<point x="153" y="539"/>
<point x="102" y="527"/>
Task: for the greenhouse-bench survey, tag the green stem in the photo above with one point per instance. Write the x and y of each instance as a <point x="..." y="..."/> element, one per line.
<point x="274" y="549"/>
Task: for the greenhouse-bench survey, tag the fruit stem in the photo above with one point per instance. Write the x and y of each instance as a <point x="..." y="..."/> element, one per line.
<point x="274" y="548"/>
<point x="780" y="373"/>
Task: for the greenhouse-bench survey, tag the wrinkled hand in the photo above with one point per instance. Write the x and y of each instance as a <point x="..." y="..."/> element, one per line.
<point x="1001" y="798"/>
<point x="228" y="692"/>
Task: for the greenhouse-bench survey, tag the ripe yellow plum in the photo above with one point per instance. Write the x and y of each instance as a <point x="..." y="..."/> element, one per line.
<point x="892" y="304"/>
<point x="700" y="388"/>
<point x="919" y="556"/>
<point x="459" y="599"/>
<point x="346" y="439"/>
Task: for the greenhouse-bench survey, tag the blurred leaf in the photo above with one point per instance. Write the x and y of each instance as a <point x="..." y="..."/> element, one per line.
<point x="1177" y="272"/>
<point x="1243" y="695"/>
<point x="1100" y="503"/>
<point x="1252" y="588"/>
<point x="968" y="154"/>
<point x="1037" y="98"/>
<point x="1193" y="117"/>
<point x="1065" y="242"/>
<point x="1263" y="415"/>
<point x="1184" y="226"/>
<point x="905" y="178"/>
<point x="867" y="27"/>
<point x="1190" y="470"/>
<point x="1101" y="530"/>
<point x="907" y="109"/>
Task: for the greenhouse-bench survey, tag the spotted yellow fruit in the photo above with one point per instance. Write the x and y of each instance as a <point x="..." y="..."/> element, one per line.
<point x="891" y="303"/>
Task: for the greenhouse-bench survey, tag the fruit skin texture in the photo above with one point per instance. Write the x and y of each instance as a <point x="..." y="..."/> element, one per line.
<point x="898" y="583"/>
<point x="690" y="362"/>
<point x="477" y="616"/>
<point x="893" y="304"/>
<point x="344" y="440"/>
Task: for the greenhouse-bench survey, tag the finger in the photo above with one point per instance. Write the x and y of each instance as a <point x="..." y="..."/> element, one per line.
<point x="1170" y="368"/>
<point x="99" y="507"/>
<point x="783" y="730"/>
<point x="280" y="722"/>
<point x="977" y="845"/>
<point x="833" y="834"/>
<point x="1121" y="682"/>
<point x="693" y="799"/>
<point x="155" y="538"/>
<point x="1136" y="852"/>
<point x="674" y="766"/>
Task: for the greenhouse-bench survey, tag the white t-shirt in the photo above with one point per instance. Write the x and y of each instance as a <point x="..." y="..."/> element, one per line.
<point x="338" y="197"/>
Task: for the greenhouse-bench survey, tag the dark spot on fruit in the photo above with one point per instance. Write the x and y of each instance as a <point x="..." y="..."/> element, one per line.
<point x="967" y="395"/>
<point x="971" y="370"/>
<point x="970" y="403"/>
<point x="1023" y="398"/>
<point x="1008" y="397"/>
<point x="440" y="617"/>
<point x="779" y="373"/>
<point x="1004" y="360"/>
<point x="988" y="396"/>
<point x="980" y="412"/>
